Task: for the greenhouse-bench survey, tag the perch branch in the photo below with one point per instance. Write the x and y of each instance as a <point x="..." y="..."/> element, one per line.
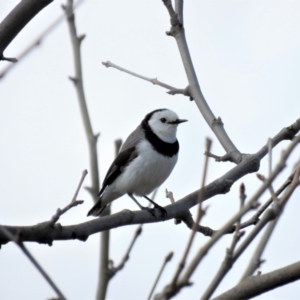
<point x="38" y="233"/>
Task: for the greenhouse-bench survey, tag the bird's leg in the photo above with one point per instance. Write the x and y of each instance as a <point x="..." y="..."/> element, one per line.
<point x="141" y="206"/>
<point x="161" y="209"/>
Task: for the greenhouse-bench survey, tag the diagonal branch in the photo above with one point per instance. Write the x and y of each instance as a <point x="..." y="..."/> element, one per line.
<point x="182" y="263"/>
<point x="17" y="20"/>
<point x="270" y="215"/>
<point x="216" y="125"/>
<point x="18" y="242"/>
<point x="184" y="281"/>
<point x="113" y="270"/>
<point x="72" y="204"/>
<point x="36" y="42"/>
<point x="155" y="81"/>
<point x="166" y="260"/>
<point x="257" y="285"/>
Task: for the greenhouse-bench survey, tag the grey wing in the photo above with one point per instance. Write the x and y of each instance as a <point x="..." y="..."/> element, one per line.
<point x="136" y="136"/>
<point x="117" y="167"/>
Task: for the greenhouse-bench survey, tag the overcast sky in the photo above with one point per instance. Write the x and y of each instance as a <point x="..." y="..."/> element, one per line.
<point x="246" y="55"/>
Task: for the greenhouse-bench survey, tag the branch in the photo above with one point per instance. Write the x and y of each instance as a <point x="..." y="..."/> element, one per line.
<point x="257" y="285"/>
<point x="112" y="269"/>
<point x="170" y="290"/>
<point x="92" y="138"/>
<point x="18" y="242"/>
<point x="155" y="81"/>
<point x="17" y="20"/>
<point x="78" y="83"/>
<point x="216" y="125"/>
<point x="182" y="263"/>
<point x="45" y="234"/>
<point x="227" y="262"/>
<point x="166" y="260"/>
<point x="270" y="215"/>
<point x="72" y="204"/>
<point x="37" y="41"/>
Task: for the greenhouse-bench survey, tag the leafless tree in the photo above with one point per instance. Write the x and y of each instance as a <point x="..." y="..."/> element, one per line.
<point x="264" y="218"/>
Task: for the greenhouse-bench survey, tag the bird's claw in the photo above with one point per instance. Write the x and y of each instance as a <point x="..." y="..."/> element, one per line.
<point x="151" y="211"/>
<point x="161" y="209"/>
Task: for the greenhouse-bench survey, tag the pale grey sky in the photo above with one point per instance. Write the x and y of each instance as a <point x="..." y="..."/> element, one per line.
<point x="246" y="54"/>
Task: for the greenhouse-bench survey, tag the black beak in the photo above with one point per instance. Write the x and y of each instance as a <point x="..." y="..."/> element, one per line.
<point x="178" y="121"/>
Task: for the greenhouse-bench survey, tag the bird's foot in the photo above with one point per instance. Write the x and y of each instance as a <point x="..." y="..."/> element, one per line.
<point x="161" y="209"/>
<point x="151" y="210"/>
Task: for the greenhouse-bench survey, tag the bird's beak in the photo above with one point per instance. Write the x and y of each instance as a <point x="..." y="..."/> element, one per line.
<point x="178" y="121"/>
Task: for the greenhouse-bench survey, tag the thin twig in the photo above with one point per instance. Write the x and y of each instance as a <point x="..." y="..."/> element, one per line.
<point x="114" y="269"/>
<point x="270" y="188"/>
<point x="256" y="260"/>
<point x="73" y="202"/>
<point x="255" y="218"/>
<point x="166" y="260"/>
<point x="227" y="262"/>
<point x="182" y="263"/>
<point x="155" y="81"/>
<point x="19" y="243"/>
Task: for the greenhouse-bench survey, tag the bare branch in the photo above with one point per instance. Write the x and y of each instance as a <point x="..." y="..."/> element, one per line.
<point x="78" y="83"/>
<point x="228" y="261"/>
<point x="92" y="139"/>
<point x="114" y="269"/>
<point x="269" y="215"/>
<point x="257" y="285"/>
<point x="216" y="125"/>
<point x="16" y="239"/>
<point x="256" y="260"/>
<point x="155" y="81"/>
<point x="182" y="263"/>
<point x="73" y="202"/>
<point x="17" y="20"/>
<point x="166" y="260"/>
<point x="36" y="42"/>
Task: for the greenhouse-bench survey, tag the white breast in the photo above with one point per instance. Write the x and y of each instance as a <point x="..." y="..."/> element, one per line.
<point x="146" y="172"/>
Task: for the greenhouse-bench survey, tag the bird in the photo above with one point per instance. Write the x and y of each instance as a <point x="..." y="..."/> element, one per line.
<point x="145" y="161"/>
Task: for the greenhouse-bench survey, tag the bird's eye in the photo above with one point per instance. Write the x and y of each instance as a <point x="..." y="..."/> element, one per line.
<point x="163" y="120"/>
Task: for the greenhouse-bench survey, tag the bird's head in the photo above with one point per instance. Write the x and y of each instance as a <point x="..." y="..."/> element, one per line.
<point x="163" y="123"/>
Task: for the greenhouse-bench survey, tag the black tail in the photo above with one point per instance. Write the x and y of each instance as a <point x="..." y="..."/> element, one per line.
<point x="97" y="209"/>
